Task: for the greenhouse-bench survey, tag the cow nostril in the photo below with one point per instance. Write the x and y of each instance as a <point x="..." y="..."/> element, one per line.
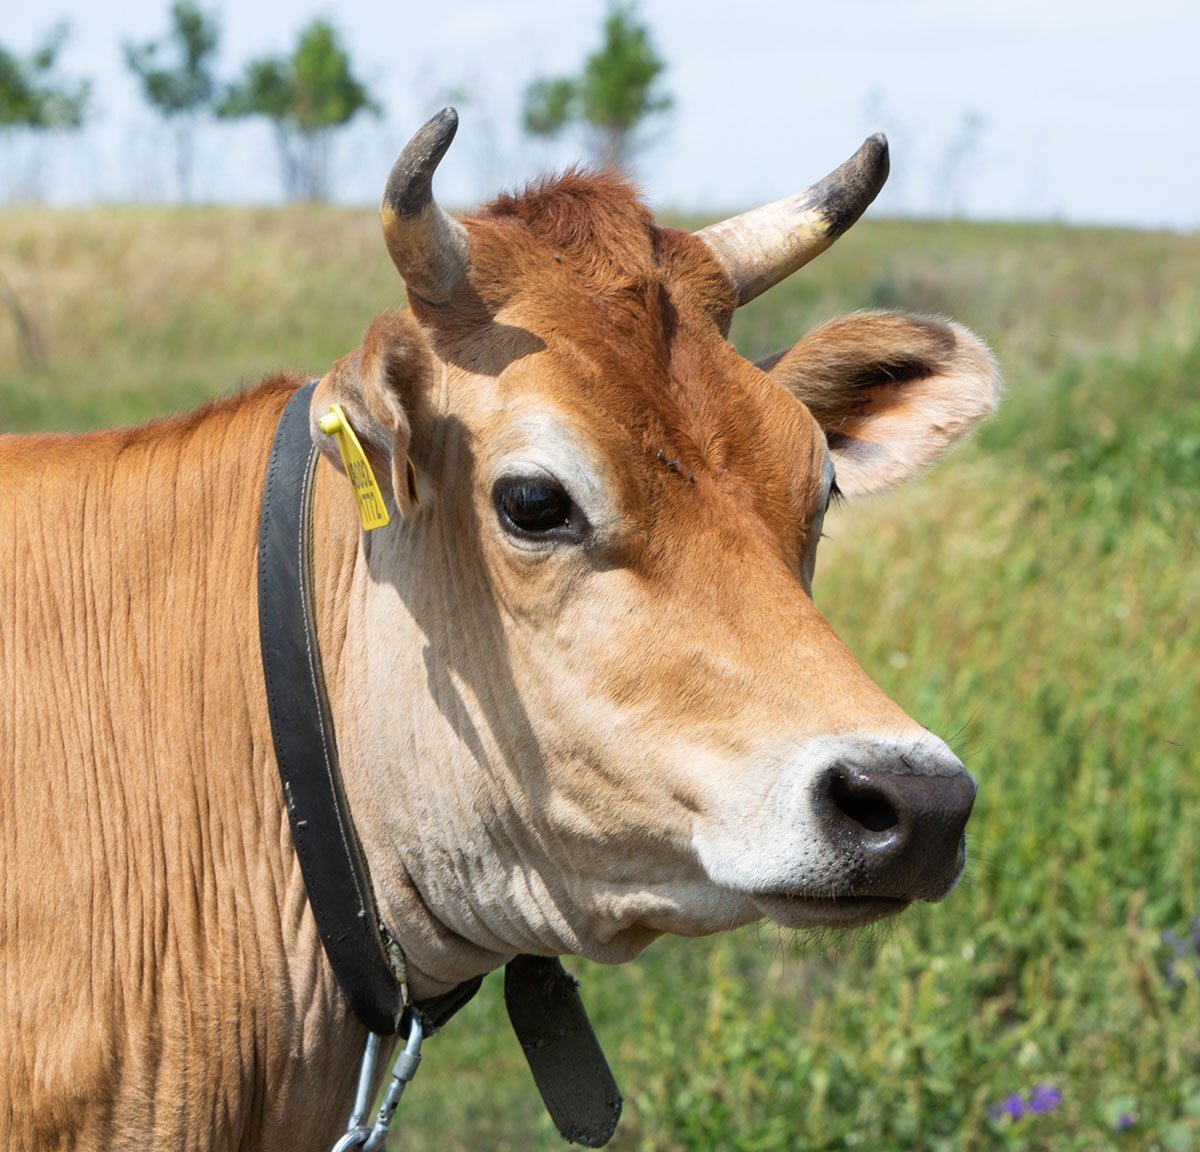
<point x="869" y="809"/>
<point x="900" y="833"/>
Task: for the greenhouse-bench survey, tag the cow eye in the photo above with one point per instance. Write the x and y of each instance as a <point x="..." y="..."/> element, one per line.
<point x="533" y="507"/>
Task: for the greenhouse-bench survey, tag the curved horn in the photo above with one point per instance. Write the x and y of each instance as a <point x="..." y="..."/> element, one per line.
<point x="430" y="249"/>
<point x="759" y="248"/>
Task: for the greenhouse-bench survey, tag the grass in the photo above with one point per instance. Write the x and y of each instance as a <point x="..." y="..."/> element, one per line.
<point x="1038" y="596"/>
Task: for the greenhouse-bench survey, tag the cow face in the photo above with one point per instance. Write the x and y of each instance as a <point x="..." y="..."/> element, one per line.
<point x="603" y="704"/>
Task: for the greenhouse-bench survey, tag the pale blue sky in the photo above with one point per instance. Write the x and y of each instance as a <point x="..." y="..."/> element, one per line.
<point x="1090" y="110"/>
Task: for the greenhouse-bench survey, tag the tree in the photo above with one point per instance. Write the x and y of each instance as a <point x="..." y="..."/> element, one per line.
<point x="35" y="101"/>
<point x="177" y="79"/>
<point x="612" y="97"/>
<point x="307" y="98"/>
<point x="950" y="180"/>
<point x="33" y="96"/>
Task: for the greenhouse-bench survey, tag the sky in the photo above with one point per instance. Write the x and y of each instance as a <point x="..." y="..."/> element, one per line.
<point x="1086" y="111"/>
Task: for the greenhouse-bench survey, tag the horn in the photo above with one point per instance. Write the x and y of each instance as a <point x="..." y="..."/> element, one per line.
<point x="759" y="248"/>
<point x="430" y="249"/>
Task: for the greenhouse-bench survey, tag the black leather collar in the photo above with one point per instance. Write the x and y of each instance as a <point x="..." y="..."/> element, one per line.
<point x="543" y="1001"/>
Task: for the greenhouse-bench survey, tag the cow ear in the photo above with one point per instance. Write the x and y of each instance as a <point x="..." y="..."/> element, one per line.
<point x="892" y="392"/>
<point x="381" y="386"/>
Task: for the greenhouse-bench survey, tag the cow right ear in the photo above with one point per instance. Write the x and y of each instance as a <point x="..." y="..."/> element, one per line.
<point x="381" y="386"/>
<point x="892" y="392"/>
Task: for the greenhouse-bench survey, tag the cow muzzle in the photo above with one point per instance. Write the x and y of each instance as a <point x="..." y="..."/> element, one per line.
<point x="850" y="830"/>
<point x="901" y="832"/>
<point x="892" y="832"/>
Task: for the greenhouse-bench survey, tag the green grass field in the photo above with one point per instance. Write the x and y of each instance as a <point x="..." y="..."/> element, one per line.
<point x="1035" y="600"/>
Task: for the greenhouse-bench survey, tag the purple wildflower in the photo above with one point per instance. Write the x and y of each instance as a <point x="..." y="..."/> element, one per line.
<point x="1044" y="1099"/>
<point x="1124" y="1122"/>
<point x="1183" y="951"/>
<point x="1011" y="1106"/>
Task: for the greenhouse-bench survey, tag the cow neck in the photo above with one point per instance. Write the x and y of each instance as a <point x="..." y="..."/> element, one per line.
<point x="543" y="1001"/>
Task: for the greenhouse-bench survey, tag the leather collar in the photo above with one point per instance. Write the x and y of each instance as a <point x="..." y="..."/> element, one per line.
<point x="366" y="959"/>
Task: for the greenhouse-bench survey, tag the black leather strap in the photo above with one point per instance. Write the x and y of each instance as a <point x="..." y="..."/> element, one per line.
<point x="564" y="1055"/>
<point x="368" y="967"/>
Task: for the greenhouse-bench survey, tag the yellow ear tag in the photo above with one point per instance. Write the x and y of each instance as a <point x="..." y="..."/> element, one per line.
<point x="371" y="509"/>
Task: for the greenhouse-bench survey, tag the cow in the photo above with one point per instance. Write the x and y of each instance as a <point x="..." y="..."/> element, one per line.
<point x="581" y="693"/>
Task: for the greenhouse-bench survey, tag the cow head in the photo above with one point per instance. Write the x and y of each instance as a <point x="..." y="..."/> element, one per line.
<point x="586" y="696"/>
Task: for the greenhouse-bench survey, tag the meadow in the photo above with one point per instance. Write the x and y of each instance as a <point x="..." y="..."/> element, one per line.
<point x="1035" y="600"/>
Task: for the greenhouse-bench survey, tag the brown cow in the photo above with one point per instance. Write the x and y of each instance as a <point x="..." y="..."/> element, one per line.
<point x="581" y="692"/>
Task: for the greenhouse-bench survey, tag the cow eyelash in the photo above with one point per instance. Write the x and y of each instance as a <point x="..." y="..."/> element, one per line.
<point x="836" y="496"/>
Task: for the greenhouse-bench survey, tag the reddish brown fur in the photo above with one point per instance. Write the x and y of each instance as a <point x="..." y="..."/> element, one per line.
<point x="577" y="264"/>
<point x="140" y="816"/>
<point x="642" y="311"/>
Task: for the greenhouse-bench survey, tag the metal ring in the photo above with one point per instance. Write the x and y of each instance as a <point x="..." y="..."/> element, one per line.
<point x="355" y="1138"/>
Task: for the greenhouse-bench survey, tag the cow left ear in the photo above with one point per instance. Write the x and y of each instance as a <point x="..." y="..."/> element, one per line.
<point x="892" y="392"/>
<point x="381" y="386"/>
